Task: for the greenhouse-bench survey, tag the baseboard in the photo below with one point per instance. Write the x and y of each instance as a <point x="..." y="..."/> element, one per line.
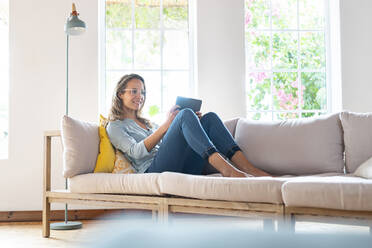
<point x="59" y="215"/>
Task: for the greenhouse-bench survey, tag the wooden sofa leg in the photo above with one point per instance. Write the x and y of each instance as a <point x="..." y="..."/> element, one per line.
<point x="46" y="218"/>
<point x="163" y="211"/>
<point x="46" y="184"/>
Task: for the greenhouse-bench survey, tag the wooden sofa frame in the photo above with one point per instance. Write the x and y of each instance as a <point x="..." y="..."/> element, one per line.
<point x="162" y="206"/>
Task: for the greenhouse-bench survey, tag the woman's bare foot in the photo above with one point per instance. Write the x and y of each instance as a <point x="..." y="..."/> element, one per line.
<point x="223" y="166"/>
<point x="243" y="164"/>
<point x="237" y="173"/>
<point x="258" y="173"/>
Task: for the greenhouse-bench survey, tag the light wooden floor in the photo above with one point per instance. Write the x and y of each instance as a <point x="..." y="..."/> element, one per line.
<point x="28" y="234"/>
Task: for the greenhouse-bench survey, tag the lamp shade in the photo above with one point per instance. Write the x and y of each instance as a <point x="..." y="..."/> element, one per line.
<point x="74" y="26"/>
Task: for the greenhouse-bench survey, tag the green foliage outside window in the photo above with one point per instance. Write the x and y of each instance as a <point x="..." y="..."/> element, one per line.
<point x="278" y="61"/>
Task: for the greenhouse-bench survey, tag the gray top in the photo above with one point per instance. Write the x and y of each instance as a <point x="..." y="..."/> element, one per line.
<point x="127" y="136"/>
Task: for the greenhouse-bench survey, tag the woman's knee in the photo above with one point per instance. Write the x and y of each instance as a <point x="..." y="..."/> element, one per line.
<point x="187" y="113"/>
<point x="209" y="116"/>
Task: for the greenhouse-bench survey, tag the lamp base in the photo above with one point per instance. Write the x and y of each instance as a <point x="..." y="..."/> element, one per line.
<point x="70" y="225"/>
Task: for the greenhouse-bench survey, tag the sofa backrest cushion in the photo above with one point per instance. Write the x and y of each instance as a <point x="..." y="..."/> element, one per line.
<point x="297" y="147"/>
<point x="80" y="141"/>
<point x="231" y="125"/>
<point x="357" y="137"/>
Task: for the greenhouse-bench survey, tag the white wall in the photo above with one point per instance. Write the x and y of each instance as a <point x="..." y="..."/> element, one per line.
<point x="37" y="91"/>
<point x="356" y="54"/>
<point x="221" y="58"/>
<point x="37" y="83"/>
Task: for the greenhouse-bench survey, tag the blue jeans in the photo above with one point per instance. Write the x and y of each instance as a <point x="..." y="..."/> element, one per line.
<point x="189" y="142"/>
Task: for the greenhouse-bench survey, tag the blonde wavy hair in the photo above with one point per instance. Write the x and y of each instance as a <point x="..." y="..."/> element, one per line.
<point x="117" y="111"/>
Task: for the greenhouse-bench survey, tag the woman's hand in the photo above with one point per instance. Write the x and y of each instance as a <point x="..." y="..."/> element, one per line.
<point x="170" y="117"/>
<point x="199" y="114"/>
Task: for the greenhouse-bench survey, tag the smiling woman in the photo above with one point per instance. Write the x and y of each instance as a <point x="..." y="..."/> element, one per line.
<point x="4" y="77"/>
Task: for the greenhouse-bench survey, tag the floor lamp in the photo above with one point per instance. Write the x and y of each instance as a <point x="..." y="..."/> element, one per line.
<point x="73" y="26"/>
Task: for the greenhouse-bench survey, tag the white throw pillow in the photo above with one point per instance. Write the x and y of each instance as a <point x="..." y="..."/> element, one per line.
<point x="365" y="169"/>
<point x="80" y="141"/>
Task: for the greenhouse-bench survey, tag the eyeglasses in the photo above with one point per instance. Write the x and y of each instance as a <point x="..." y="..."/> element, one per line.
<point x="134" y="92"/>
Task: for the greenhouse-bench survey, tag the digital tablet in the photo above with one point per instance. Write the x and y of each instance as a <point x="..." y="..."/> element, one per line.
<point x="185" y="102"/>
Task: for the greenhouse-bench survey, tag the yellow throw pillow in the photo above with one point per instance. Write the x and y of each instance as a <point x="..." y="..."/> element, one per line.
<point x="106" y="157"/>
<point x="122" y="164"/>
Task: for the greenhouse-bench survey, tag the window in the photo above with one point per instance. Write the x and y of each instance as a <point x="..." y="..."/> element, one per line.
<point x="286" y="72"/>
<point x="150" y="38"/>
<point x="4" y="77"/>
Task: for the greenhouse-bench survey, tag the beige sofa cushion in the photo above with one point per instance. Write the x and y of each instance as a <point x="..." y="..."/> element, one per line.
<point x="337" y="192"/>
<point x="357" y="137"/>
<point x="142" y="184"/>
<point x="80" y="141"/>
<point x="296" y="147"/>
<point x="253" y="189"/>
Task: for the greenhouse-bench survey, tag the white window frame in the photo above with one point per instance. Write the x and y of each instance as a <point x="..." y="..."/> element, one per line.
<point x="332" y="104"/>
<point x="102" y="52"/>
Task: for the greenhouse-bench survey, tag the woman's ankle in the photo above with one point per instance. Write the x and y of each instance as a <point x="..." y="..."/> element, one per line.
<point x="218" y="162"/>
<point x="223" y="166"/>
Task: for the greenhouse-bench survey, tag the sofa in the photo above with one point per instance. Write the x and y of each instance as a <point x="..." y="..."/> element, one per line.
<point x="315" y="162"/>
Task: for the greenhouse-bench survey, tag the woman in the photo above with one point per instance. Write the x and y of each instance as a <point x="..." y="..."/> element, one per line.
<point x="184" y="143"/>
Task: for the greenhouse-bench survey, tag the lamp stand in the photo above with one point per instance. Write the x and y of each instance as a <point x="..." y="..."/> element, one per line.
<point x="66" y="225"/>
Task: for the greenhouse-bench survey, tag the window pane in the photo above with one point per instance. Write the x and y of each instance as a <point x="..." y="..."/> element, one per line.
<point x="175" y="50"/>
<point x="4" y="77"/>
<point x="311" y="14"/>
<point x="285" y="116"/>
<point x="139" y="48"/>
<point x="147" y="13"/>
<point x="119" y="14"/>
<point x="174" y="84"/>
<point x="257" y="54"/>
<point x="314" y="90"/>
<point x="258" y="91"/>
<point x="285" y="49"/>
<point x="175" y="13"/>
<point x="147" y="49"/>
<point x="312" y="50"/>
<point x="152" y="106"/>
<point x="263" y="116"/>
<point x="118" y="49"/>
<point x="284" y="14"/>
<point x="257" y="14"/>
<point x="285" y="91"/>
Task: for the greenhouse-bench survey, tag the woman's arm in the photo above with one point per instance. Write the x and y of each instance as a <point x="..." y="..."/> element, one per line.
<point x="155" y="137"/>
